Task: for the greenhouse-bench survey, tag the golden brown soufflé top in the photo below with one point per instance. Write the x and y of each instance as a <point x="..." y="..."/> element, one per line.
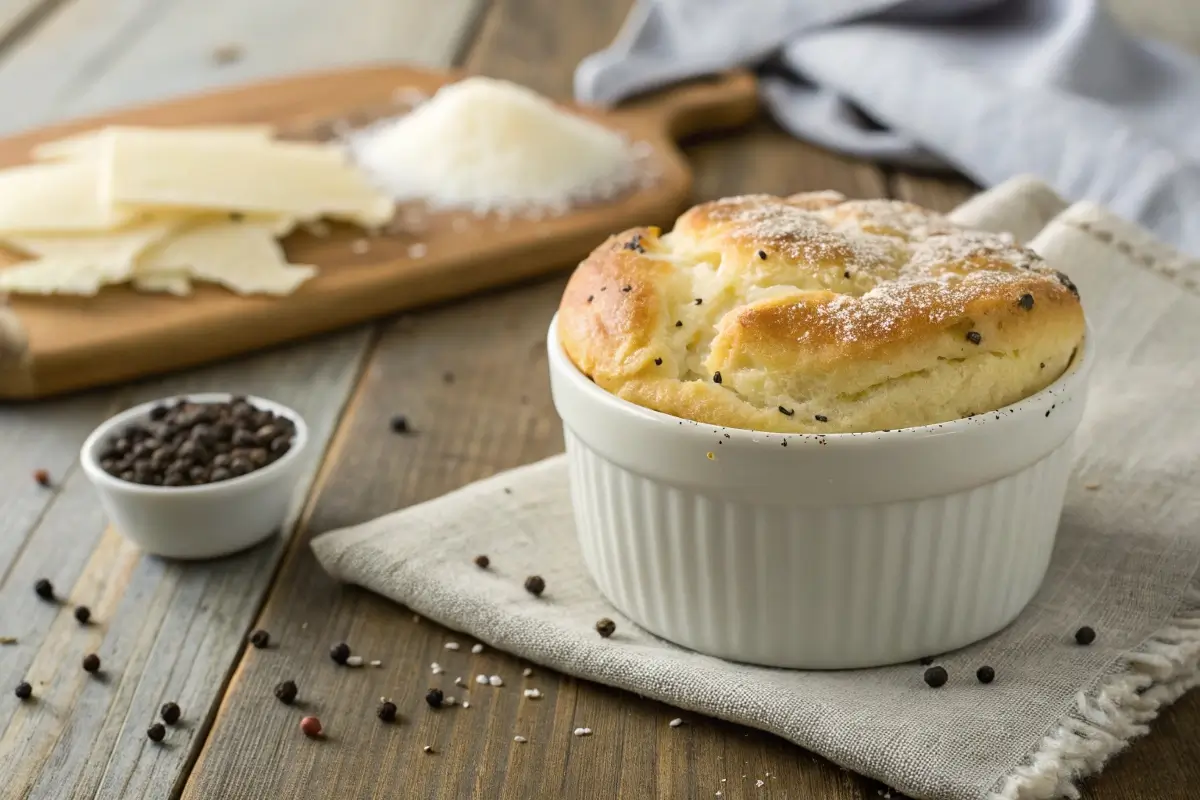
<point x="818" y="314"/>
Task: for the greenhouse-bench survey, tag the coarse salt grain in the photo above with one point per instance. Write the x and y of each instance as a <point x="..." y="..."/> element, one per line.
<point x="490" y="145"/>
<point x="376" y="663"/>
<point x="496" y="680"/>
<point x="675" y="723"/>
<point x="451" y="645"/>
<point x="520" y="739"/>
<point x="527" y="672"/>
<point x="449" y="701"/>
<point x="466" y="704"/>
<point x="759" y="783"/>
<point x="583" y="731"/>
<point x="481" y="678"/>
<point x="477" y="649"/>
<point x="533" y="694"/>
<point x="427" y="749"/>
<point x="354" y="661"/>
<point x="460" y="682"/>
<point x="436" y="668"/>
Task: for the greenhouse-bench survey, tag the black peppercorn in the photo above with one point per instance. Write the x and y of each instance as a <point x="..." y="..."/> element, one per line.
<point x="787" y="412"/>
<point x="1025" y="301"/>
<point x="678" y="323"/>
<point x="821" y="418"/>
<point x="985" y="674"/>
<point x="23" y="691"/>
<point x="260" y="638"/>
<point x="535" y="585"/>
<point x="170" y="713"/>
<point x="91" y="663"/>
<point x="83" y="614"/>
<point x="846" y="274"/>
<point x="717" y="377"/>
<point x="286" y="692"/>
<point x="340" y="652"/>
<point x="1085" y="635"/>
<point x="626" y="288"/>
<point x="658" y="362"/>
<point x="156" y="732"/>
<point x="974" y="337"/>
<point x="387" y="711"/>
<point x="400" y="424"/>
<point x="44" y="589"/>
<point x="762" y="254"/>
<point x="606" y="627"/>
<point x="434" y="697"/>
<point x="698" y="301"/>
<point x="483" y="562"/>
<point x="42" y="477"/>
<point x="936" y="676"/>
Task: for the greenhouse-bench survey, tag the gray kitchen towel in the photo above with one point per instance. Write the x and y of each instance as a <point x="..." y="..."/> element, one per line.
<point x="993" y="88"/>
<point x="1126" y="562"/>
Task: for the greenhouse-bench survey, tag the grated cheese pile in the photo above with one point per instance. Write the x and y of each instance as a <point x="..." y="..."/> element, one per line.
<point x="159" y="208"/>
<point x="490" y="145"/>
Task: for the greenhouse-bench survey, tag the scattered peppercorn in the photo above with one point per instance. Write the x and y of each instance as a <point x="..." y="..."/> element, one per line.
<point x="156" y="732"/>
<point x="591" y="297"/>
<point x="927" y="660"/>
<point x="1065" y="281"/>
<point x="678" y="323"/>
<point x="820" y="418"/>
<point x="83" y="614"/>
<point x="699" y="301"/>
<point x="483" y="562"/>
<point x="635" y="244"/>
<point x="42" y="477"/>
<point x="626" y="288"/>
<point x="311" y="726"/>
<point x="1085" y="635"/>
<point x="974" y="337"/>
<point x="44" y="589"/>
<point x="400" y="424"/>
<point x="387" y="711"/>
<point x="434" y="697"/>
<point x="846" y="274"/>
<point x="606" y="627"/>
<point x="170" y="713"/>
<point x="936" y="676"/>
<point x="717" y="377"/>
<point x="985" y="674"/>
<point x="260" y="638"/>
<point x="91" y="663"/>
<point x="787" y="412"/>
<point x="23" y="691"/>
<point x="340" y="652"/>
<point x="535" y="585"/>
<point x="1025" y="301"/>
<point x="762" y="254"/>
<point x="286" y="692"/>
<point x="658" y="362"/>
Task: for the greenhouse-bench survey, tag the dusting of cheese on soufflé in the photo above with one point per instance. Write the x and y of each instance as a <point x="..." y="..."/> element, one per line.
<point x="818" y="314"/>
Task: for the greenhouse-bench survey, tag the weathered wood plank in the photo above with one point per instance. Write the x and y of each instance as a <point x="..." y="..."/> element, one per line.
<point x="164" y="631"/>
<point x="95" y="55"/>
<point x="495" y="414"/>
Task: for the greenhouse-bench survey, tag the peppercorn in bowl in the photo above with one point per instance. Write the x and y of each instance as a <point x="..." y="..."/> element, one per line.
<point x="818" y="433"/>
<point x="200" y="475"/>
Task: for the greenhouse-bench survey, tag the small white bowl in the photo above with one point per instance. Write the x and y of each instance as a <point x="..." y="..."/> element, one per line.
<point x="817" y="551"/>
<point x="194" y="522"/>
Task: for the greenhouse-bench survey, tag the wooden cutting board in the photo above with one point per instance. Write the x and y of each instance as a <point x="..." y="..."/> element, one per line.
<point x="53" y="345"/>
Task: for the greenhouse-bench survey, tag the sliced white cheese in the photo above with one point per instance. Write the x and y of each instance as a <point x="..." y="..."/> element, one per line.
<point x="88" y="145"/>
<point x="60" y="197"/>
<point x="146" y="170"/>
<point x="174" y="282"/>
<point x="108" y="250"/>
<point x="243" y="257"/>
<point x="47" y="276"/>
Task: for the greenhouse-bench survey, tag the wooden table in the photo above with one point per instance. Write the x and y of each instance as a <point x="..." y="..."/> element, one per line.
<point x="174" y="632"/>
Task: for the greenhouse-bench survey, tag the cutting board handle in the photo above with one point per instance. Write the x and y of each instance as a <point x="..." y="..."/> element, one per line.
<point x="720" y="102"/>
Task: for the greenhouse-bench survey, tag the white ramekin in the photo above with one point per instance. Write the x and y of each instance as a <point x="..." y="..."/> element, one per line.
<point x="191" y="522"/>
<point x="817" y="551"/>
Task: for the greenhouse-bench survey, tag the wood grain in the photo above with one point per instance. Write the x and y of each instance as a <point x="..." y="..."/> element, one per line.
<point x="494" y="414"/>
<point x="120" y="334"/>
<point x="164" y="631"/>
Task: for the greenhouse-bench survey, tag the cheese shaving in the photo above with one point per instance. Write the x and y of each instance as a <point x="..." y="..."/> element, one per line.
<point x="489" y="145"/>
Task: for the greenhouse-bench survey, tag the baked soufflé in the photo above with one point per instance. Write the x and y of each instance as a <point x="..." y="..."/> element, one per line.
<point x="818" y="314"/>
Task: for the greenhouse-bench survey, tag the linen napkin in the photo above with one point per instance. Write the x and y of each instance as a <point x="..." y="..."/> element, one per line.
<point x="1126" y="563"/>
<point x="994" y="88"/>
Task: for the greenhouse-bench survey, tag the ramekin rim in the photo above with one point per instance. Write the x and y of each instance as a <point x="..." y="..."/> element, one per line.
<point x="98" y="475"/>
<point x="1075" y="374"/>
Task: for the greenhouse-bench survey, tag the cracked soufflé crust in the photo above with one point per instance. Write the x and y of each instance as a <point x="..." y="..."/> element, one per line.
<point x="818" y="314"/>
